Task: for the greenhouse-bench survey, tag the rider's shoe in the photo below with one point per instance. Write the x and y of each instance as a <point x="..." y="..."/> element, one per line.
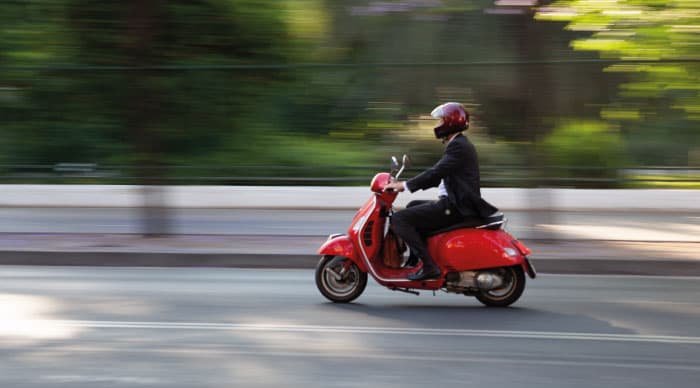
<point x="425" y="273"/>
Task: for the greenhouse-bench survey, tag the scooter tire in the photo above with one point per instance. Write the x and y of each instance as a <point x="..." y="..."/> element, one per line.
<point x="513" y="293"/>
<point x="343" y="291"/>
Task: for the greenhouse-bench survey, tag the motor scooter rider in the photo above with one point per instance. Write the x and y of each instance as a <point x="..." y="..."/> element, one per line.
<point x="457" y="177"/>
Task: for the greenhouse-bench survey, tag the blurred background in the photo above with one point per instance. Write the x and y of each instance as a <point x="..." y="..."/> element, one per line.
<point x="562" y="93"/>
<point x="230" y="133"/>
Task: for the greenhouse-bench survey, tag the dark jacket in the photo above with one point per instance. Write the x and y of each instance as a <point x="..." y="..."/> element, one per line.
<point x="459" y="167"/>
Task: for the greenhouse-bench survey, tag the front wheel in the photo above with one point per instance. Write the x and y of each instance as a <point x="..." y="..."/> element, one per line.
<point x="511" y="290"/>
<point x="337" y="285"/>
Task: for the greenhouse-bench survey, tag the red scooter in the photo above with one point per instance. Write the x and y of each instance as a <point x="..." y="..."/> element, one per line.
<point x="476" y="257"/>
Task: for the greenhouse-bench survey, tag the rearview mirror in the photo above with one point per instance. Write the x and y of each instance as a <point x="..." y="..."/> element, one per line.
<point x="394" y="164"/>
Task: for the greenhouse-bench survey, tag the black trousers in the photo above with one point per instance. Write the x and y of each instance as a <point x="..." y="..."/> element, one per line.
<point x="421" y="217"/>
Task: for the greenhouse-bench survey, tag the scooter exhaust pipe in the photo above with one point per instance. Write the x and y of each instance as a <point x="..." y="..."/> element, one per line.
<point x="488" y="281"/>
<point x="472" y="279"/>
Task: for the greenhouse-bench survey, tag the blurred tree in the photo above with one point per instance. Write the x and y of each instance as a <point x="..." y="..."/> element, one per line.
<point x="189" y="113"/>
<point x="139" y="87"/>
<point x="41" y="116"/>
<point x="118" y="57"/>
<point x="175" y="117"/>
<point x="513" y="103"/>
<point x="658" y="44"/>
<point x="584" y="149"/>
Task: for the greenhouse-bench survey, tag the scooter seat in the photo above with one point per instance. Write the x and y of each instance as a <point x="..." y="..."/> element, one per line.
<point x="492" y="222"/>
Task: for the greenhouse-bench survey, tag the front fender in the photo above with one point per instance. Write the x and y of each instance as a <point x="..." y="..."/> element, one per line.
<point x="338" y="246"/>
<point x="341" y="246"/>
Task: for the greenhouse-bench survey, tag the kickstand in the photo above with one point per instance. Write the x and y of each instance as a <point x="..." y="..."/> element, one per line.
<point x="406" y="290"/>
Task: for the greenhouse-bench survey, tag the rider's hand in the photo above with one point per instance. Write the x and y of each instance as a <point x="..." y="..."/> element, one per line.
<point x="397" y="186"/>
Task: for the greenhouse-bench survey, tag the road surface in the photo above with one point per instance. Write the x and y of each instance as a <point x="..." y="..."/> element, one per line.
<point x="134" y="327"/>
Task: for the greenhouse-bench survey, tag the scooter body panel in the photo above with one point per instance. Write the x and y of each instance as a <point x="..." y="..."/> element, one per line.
<point x="367" y="235"/>
<point x="472" y="249"/>
<point x="365" y="227"/>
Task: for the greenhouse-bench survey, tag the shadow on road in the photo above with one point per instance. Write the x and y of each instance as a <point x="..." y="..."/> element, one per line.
<point x="477" y="317"/>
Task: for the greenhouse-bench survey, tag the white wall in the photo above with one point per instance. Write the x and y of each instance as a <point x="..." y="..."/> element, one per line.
<point x="301" y="197"/>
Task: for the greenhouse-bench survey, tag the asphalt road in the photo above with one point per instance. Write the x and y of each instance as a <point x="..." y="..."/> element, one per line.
<point x="649" y="226"/>
<point x="128" y="327"/>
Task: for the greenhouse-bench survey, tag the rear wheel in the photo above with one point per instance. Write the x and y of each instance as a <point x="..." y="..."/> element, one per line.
<point x="337" y="285"/>
<point x="511" y="290"/>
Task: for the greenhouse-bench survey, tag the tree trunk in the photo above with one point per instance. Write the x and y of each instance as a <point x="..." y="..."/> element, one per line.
<point x="143" y="112"/>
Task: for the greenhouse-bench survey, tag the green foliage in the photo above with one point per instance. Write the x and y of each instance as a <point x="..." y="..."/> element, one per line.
<point x="132" y="82"/>
<point x="660" y="102"/>
<point x="154" y="116"/>
<point x="590" y="149"/>
<point x="585" y="143"/>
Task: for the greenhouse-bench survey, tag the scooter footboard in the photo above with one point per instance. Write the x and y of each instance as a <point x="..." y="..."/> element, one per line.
<point x="341" y="245"/>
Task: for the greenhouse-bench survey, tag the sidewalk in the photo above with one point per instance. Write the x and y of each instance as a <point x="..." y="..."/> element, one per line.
<point x="256" y="251"/>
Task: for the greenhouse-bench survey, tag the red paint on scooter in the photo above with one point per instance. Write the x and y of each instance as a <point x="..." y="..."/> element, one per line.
<point x="472" y="249"/>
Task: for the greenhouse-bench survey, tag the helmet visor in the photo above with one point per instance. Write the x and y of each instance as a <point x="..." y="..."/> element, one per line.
<point x="438" y="112"/>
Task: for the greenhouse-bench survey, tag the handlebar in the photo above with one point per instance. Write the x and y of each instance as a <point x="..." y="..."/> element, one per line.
<point x="398" y="174"/>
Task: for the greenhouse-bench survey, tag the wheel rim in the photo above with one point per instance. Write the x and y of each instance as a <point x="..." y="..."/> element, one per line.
<point x="345" y="286"/>
<point x="509" y="285"/>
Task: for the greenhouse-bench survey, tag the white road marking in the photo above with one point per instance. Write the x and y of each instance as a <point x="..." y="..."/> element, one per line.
<point x="102" y="379"/>
<point x="461" y="358"/>
<point x="380" y="330"/>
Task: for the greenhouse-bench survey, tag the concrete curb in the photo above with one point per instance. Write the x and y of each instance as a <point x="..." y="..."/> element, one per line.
<point x="158" y="259"/>
<point x="657" y="267"/>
